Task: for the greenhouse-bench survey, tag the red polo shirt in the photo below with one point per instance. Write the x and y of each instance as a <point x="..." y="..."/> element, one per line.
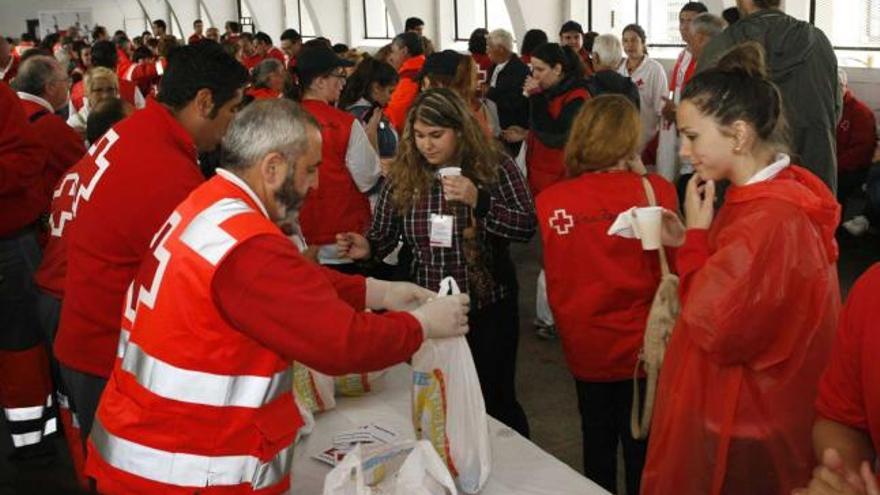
<point x="276" y="53"/>
<point x="150" y="169"/>
<point x="251" y="61"/>
<point x="22" y="163"/>
<point x="849" y="391"/>
<point x="263" y="93"/>
<point x="64" y="145"/>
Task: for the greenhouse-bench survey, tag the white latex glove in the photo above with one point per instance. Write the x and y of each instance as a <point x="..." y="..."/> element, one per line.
<point x="444" y="316"/>
<point x="395" y="296"/>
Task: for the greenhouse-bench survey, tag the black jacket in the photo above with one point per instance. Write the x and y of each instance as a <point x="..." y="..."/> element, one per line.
<point x="610" y="82"/>
<point x="554" y="132"/>
<point x="513" y="107"/>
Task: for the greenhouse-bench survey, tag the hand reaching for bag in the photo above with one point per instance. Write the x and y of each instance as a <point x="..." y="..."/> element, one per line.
<point x="444" y="316"/>
<point x="405" y="296"/>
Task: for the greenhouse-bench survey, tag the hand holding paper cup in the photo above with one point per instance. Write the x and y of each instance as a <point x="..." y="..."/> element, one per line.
<point x="449" y="171"/>
<point x="648" y="226"/>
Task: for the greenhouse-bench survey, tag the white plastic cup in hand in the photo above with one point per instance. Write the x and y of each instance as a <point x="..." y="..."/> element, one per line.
<point x="648" y="224"/>
<point x="449" y="171"/>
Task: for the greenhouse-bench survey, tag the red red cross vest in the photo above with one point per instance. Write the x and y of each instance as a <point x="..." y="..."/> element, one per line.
<point x="336" y="205"/>
<point x="546" y="165"/>
<point x="192" y="404"/>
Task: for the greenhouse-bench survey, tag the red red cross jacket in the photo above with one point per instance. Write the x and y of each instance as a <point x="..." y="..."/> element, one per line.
<point x="600" y="287"/>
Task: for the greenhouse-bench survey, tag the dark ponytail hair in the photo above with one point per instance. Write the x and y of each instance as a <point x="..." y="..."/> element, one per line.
<point x="369" y="71"/>
<point x="738" y="88"/>
<point x="553" y="54"/>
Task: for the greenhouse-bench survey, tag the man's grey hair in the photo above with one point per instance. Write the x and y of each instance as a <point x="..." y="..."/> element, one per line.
<point x="263" y="127"/>
<point x="264" y="70"/>
<point x="501" y="37"/>
<point x="35" y="73"/>
<point x="609" y="49"/>
<point x="708" y="24"/>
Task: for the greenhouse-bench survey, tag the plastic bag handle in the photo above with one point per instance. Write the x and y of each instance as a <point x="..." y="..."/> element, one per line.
<point x="448" y="287"/>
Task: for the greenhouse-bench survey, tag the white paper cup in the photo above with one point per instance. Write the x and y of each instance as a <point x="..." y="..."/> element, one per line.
<point x="648" y="223"/>
<point x="449" y="171"/>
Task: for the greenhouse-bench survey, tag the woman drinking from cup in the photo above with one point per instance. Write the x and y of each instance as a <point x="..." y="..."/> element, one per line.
<point x="556" y="90"/>
<point x="458" y="202"/>
<point x="601" y="286"/>
<point x="760" y="296"/>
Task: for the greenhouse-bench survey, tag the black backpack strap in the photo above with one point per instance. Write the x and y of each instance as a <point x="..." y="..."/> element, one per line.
<point x="37" y="116"/>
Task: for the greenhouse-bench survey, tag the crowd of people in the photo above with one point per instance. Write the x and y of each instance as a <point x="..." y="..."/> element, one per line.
<point x="186" y="219"/>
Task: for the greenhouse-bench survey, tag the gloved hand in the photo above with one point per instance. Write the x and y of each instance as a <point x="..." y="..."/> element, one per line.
<point x="395" y="296"/>
<point x="444" y="316"/>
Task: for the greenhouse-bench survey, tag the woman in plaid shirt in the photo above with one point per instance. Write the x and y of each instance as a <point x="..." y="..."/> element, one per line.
<point x="461" y="227"/>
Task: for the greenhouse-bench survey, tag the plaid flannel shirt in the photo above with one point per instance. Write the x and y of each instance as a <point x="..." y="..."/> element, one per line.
<point x="505" y="212"/>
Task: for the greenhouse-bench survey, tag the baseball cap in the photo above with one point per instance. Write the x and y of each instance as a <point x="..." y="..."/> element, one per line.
<point x="319" y="59"/>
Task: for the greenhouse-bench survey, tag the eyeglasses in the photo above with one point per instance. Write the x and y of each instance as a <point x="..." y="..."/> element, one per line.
<point x="340" y="75"/>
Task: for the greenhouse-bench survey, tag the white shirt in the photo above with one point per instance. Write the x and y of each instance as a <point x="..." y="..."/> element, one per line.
<point x="651" y="80"/>
<point x="770" y="171"/>
<point x="78" y="120"/>
<point x="498" y="69"/>
<point x="238" y="181"/>
<point x="363" y="164"/>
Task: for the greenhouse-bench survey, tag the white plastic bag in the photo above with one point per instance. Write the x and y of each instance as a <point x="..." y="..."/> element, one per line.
<point x="411" y="468"/>
<point x="448" y="407"/>
<point x="314" y="390"/>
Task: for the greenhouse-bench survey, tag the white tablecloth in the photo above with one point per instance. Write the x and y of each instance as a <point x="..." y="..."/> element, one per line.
<point x="518" y="465"/>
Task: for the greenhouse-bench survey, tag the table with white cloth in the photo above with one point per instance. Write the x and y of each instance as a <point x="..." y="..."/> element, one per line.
<point x="518" y="465"/>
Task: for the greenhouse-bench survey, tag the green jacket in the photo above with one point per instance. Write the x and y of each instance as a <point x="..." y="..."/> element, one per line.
<point x="802" y="63"/>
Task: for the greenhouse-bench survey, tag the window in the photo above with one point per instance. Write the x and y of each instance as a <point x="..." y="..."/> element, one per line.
<point x="610" y="16"/>
<point x="246" y="18"/>
<point x="297" y="17"/>
<point x="377" y="22"/>
<point x="662" y="22"/>
<point x="850" y="24"/>
<point x="471" y="15"/>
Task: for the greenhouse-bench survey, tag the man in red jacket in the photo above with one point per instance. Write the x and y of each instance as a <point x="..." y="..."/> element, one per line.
<point x="145" y="166"/>
<point x="43" y="87"/>
<point x="197" y="348"/>
<point x="248" y="55"/>
<point x="265" y="49"/>
<point x="408" y="57"/>
<point x="856" y="142"/>
<point x="198" y="33"/>
<point x="25" y="385"/>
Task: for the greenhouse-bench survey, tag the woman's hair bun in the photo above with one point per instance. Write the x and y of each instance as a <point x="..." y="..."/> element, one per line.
<point x="747" y="58"/>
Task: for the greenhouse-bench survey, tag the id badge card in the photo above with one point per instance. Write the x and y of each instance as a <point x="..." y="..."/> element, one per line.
<point x="441" y="230"/>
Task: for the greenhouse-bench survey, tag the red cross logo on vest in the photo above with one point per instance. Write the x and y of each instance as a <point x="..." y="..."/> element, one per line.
<point x="562" y="222"/>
